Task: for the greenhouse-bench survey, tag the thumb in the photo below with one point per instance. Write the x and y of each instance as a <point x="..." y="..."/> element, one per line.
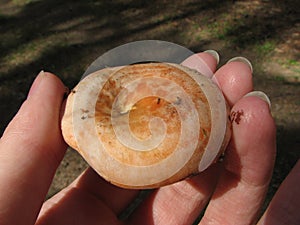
<point x="31" y="148"/>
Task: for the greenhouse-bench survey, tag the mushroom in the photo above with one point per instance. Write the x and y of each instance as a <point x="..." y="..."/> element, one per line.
<point x="147" y="125"/>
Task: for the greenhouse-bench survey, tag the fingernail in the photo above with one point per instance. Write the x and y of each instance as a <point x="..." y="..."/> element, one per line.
<point x="260" y="95"/>
<point x="243" y="60"/>
<point x="36" y="83"/>
<point x="215" y="54"/>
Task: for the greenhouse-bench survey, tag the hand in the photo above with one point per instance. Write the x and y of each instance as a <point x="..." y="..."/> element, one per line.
<point x="32" y="147"/>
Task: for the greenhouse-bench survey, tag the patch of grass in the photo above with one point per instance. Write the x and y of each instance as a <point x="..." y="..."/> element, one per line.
<point x="216" y="29"/>
<point x="293" y="62"/>
<point x="226" y="27"/>
<point x="279" y="78"/>
<point x="292" y="65"/>
<point x="23" y="2"/>
<point x="265" y="48"/>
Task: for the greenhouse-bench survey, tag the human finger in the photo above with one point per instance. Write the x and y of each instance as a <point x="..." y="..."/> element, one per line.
<point x="179" y="203"/>
<point x="248" y="164"/>
<point x="284" y="207"/>
<point x="234" y="79"/>
<point x="30" y="151"/>
<point x="204" y="62"/>
<point x="74" y="206"/>
<point x="99" y="194"/>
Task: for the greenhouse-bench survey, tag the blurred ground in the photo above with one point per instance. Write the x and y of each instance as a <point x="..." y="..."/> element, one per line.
<point x="64" y="37"/>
